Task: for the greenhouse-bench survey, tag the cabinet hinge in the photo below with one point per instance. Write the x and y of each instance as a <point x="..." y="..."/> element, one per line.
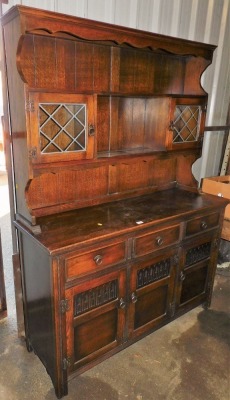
<point x="32" y="153"/>
<point x="172" y="309"/>
<point x="66" y="362"/>
<point x="30" y="106"/>
<point x="64" y="306"/>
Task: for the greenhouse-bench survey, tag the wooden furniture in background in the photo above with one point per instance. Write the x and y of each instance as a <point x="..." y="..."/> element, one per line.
<point x="115" y="239"/>
<point x="220" y="186"/>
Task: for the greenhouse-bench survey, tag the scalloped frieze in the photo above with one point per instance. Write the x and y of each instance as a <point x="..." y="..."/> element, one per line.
<point x="48" y="62"/>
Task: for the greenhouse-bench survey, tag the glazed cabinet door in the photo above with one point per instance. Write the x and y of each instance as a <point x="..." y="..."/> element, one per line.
<point x="96" y="318"/>
<point x="187" y="122"/>
<point x="196" y="272"/>
<point x="152" y="293"/>
<point x="61" y="127"/>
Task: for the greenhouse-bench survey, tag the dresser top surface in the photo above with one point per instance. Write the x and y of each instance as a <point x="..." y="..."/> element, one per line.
<point x="64" y="231"/>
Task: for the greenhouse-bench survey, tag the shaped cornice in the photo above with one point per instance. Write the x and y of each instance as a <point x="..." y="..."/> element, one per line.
<point x="56" y="24"/>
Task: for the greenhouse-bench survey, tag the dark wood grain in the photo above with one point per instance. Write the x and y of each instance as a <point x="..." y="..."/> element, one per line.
<point x="115" y="239"/>
<point x="68" y="229"/>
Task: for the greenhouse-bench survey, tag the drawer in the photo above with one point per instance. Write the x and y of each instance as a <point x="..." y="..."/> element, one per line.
<point x="92" y="261"/>
<point x="202" y="224"/>
<point x="154" y="241"/>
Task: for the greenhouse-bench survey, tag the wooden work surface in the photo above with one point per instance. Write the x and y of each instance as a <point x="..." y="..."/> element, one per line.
<point x="64" y="231"/>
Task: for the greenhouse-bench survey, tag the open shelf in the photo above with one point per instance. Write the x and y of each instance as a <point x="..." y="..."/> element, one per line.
<point x="125" y="152"/>
<point x="131" y="125"/>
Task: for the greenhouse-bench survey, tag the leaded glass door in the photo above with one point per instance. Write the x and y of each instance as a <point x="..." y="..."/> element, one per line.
<point x="61" y="126"/>
<point x="187" y="122"/>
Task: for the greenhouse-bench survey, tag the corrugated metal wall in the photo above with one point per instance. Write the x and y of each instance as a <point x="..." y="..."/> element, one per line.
<point x="201" y="20"/>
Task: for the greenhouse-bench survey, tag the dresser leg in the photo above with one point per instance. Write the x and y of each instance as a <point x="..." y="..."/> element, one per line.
<point x="28" y="346"/>
<point x="206" y="305"/>
<point x="61" y="391"/>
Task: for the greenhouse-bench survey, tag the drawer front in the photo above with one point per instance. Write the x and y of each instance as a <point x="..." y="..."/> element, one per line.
<point x="154" y="241"/>
<point x="202" y="224"/>
<point x="95" y="260"/>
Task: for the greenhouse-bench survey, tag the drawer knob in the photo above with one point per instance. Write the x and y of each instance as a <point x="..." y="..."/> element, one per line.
<point x="182" y="276"/>
<point x="159" y="241"/>
<point x="133" y="297"/>
<point x="122" y="303"/>
<point x="98" y="259"/>
<point x="203" y="225"/>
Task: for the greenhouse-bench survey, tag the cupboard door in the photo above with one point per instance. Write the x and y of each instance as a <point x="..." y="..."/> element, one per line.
<point x="196" y="272"/>
<point x="95" y="320"/>
<point x="61" y="127"/>
<point x="187" y="123"/>
<point x="193" y="282"/>
<point x="152" y="293"/>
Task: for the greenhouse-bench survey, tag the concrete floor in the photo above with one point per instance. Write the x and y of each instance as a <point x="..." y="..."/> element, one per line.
<point x="189" y="359"/>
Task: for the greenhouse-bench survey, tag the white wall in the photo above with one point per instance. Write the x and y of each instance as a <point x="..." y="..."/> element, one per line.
<point x="201" y="20"/>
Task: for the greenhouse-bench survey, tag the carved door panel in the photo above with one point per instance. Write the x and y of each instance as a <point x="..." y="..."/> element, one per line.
<point x="196" y="272"/>
<point x="61" y="126"/>
<point x="187" y="123"/>
<point x="96" y="318"/>
<point x="152" y="293"/>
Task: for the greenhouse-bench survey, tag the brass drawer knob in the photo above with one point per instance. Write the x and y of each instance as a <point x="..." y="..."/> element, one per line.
<point x="203" y="225"/>
<point x="159" y="241"/>
<point x="98" y="259"/>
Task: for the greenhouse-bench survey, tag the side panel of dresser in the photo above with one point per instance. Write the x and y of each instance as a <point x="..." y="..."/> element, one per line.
<point x="15" y="106"/>
<point x="42" y="309"/>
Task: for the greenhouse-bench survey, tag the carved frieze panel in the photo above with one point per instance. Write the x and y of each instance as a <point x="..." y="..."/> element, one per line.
<point x="153" y="273"/>
<point x="95" y="297"/>
<point x="198" y="253"/>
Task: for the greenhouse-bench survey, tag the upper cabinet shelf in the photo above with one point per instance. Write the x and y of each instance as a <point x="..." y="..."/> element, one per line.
<point x="80" y="55"/>
<point x="68" y="127"/>
<point x="77" y="66"/>
<point x="98" y="112"/>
